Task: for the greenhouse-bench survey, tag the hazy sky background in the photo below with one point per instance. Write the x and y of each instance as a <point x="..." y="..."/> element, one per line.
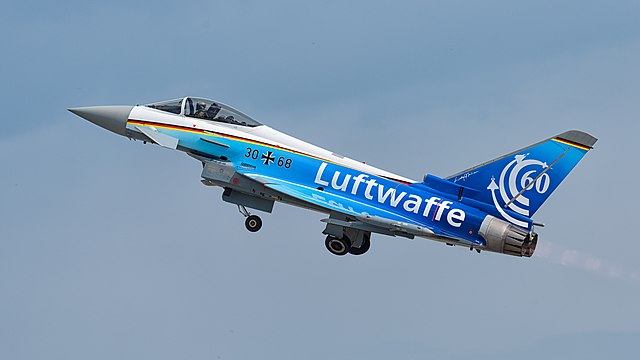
<point x="110" y="249"/>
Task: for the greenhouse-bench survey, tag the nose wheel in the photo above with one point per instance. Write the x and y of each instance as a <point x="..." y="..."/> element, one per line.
<point x="253" y="223"/>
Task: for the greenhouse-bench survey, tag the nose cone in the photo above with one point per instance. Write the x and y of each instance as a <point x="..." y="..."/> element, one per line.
<point x="112" y="118"/>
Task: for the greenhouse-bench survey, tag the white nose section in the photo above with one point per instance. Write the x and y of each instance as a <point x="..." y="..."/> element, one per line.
<point x="112" y="118"/>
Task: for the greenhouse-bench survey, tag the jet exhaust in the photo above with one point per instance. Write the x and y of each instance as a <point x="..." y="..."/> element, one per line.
<point x="504" y="238"/>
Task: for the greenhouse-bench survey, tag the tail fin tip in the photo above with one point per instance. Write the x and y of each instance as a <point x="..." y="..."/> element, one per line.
<point x="522" y="180"/>
<point x="579" y="138"/>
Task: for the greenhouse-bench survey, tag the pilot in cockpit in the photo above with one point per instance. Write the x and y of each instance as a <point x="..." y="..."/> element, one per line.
<point x="212" y="111"/>
<point x="200" y="113"/>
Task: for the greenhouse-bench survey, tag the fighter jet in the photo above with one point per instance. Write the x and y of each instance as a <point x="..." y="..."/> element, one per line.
<point x="487" y="207"/>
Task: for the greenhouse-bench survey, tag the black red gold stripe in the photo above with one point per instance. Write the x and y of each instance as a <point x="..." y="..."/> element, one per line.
<point x="571" y="143"/>
<point x="241" y="139"/>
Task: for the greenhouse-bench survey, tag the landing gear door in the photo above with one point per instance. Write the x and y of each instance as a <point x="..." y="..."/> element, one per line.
<point x="218" y="171"/>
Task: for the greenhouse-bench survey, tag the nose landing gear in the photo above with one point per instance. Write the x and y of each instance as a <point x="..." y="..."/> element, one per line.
<point x="253" y="223"/>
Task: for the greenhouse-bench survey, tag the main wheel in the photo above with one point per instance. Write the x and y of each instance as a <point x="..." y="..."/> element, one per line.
<point x="253" y="223"/>
<point x="338" y="246"/>
<point x="366" y="244"/>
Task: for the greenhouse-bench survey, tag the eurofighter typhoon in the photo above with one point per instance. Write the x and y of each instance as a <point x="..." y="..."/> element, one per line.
<point x="487" y="207"/>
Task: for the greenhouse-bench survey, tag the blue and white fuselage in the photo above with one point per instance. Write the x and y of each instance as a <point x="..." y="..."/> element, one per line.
<point x="486" y="207"/>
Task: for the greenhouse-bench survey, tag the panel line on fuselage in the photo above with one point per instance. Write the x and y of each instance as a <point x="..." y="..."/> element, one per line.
<point x="245" y="140"/>
<point x="352" y="199"/>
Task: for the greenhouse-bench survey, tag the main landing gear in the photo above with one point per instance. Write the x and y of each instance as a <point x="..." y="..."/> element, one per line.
<point x="337" y="246"/>
<point x="253" y="223"/>
<point x="344" y="246"/>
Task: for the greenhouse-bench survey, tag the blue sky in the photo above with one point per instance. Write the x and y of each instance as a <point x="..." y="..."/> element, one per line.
<point x="111" y="249"/>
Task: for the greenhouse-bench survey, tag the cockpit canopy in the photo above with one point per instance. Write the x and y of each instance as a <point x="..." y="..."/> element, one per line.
<point x="204" y="109"/>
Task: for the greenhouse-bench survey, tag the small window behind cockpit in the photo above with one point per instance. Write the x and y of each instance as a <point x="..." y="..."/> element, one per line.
<point x="172" y="106"/>
<point x="213" y="111"/>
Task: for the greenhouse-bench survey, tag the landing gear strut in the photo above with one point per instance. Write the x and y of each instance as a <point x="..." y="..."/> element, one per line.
<point x="366" y="244"/>
<point x="253" y="223"/>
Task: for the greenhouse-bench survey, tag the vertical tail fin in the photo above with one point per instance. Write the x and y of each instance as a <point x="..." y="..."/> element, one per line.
<point x="523" y="180"/>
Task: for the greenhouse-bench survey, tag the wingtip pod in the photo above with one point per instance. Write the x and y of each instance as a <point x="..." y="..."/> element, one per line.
<point x="578" y="139"/>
